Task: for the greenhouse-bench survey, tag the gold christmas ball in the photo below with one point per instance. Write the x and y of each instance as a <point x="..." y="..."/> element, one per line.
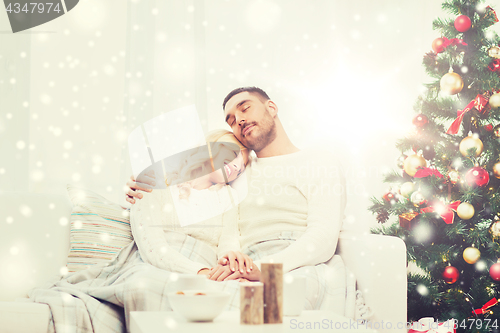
<point x="494" y="100"/>
<point x="495" y="229"/>
<point x="454" y="176"/>
<point x="472" y="141"/>
<point x="412" y="163"/>
<point x="407" y="189"/>
<point x="496" y="170"/>
<point x="494" y="52"/>
<point x="417" y="198"/>
<point x="471" y="255"/>
<point x="451" y="83"/>
<point x="465" y="211"/>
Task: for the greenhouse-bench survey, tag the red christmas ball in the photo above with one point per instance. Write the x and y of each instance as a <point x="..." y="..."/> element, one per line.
<point x="450" y="274"/>
<point x="389" y="196"/>
<point x="495" y="271"/>
<point x="463" y="23"/>
<point x="477" y="176"/>
<point x="438" y="45"/>
<point x="420" y="120"/>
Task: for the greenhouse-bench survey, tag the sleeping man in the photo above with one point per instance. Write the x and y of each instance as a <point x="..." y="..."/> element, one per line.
<point x="294" y="208"/>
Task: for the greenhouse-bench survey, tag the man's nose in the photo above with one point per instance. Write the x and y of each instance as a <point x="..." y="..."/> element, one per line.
<point x="240" y="120"/>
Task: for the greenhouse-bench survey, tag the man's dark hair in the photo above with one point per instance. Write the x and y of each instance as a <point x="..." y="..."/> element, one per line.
<point x="262" y="94"/>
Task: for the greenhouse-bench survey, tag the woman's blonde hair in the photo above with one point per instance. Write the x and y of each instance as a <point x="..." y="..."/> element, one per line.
<point x="197" y="162"/>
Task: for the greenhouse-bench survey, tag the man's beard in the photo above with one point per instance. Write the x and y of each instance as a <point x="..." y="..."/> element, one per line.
<point x="267" y="135"/>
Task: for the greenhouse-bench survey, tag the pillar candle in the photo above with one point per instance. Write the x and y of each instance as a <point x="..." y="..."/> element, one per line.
<point x="252" y="303"/>
<point x="271" y="276"/>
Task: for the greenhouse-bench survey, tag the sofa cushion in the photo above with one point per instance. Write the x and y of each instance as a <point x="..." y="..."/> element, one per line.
<point x="99" y="229"/>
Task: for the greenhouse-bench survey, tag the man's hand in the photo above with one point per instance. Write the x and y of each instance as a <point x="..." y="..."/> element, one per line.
<point x="253" y="275"/>
<point x="242" y="280"/>
<point x="236" y="261"/>
<point x="133" y="186"/>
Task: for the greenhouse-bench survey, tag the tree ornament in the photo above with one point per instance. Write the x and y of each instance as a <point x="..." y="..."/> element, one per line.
<point x="496" y="170"/>
<point x="494" y="52"/>
<point x="407" y="189"/>
<point x="495" y="229"/>
<point x="451" y="83"/>
<point x="463" y="23"/>
<point x="382" y="216"/>
<point x="418" y="199"/>
<point x="412" y="163"/>
<point x="465" y="211"/>
<point x="389" y="196"/>
<point x="471" y="141"/>
<point x="495" y="271"/>
<point x="494" y="66"/>
<point x="420" y="120"/>
<point x="494" y="100"/>
<point x="450" y="274"/>
<point x="477" y="177"/>
<point x="471" y="255"/>
<point x="496" y="131"/>
<point x="408" y="220"/>
<point x="454" y="176"/>
<point x="490" y="16"/>
<point x="438" y="45"/>
<point x="479" y="103"/>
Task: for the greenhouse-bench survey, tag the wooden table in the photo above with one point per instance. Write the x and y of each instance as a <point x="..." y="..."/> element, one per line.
<point x="229" y="321"/>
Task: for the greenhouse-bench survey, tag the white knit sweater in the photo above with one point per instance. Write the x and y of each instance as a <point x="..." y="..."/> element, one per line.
<point x="155" y="220"/>
<point x="299" y="195"/>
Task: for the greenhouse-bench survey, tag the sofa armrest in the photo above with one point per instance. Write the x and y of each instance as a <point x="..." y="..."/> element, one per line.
<point x="379" y="264"/>
<point x="24" y="317"/>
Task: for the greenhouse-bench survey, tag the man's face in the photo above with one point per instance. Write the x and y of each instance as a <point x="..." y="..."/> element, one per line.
<point x="250" y="120"/>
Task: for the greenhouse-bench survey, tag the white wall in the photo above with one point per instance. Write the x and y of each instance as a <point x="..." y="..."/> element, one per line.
<point x="345" y="74"/>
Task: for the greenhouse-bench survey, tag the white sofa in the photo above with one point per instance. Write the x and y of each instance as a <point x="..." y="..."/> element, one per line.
<point x="34" y="243"/>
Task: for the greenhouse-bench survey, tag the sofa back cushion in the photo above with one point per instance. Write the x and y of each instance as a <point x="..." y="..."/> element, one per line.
<point x="99" y="229"/>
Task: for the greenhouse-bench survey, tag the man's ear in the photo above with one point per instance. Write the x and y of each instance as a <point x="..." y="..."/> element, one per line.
<point x="272" y="107"/>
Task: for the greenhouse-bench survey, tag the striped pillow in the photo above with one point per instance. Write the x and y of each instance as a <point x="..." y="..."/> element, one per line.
<point x="99" y="229"/>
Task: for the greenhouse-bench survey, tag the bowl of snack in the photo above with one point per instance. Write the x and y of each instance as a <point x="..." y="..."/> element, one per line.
<point x="198" y="305"/>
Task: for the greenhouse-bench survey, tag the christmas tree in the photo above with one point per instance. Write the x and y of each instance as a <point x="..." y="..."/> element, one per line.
<point x="446" y="198"/>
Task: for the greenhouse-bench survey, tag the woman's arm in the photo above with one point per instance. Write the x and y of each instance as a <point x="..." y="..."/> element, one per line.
<point x="147" y="217"/>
